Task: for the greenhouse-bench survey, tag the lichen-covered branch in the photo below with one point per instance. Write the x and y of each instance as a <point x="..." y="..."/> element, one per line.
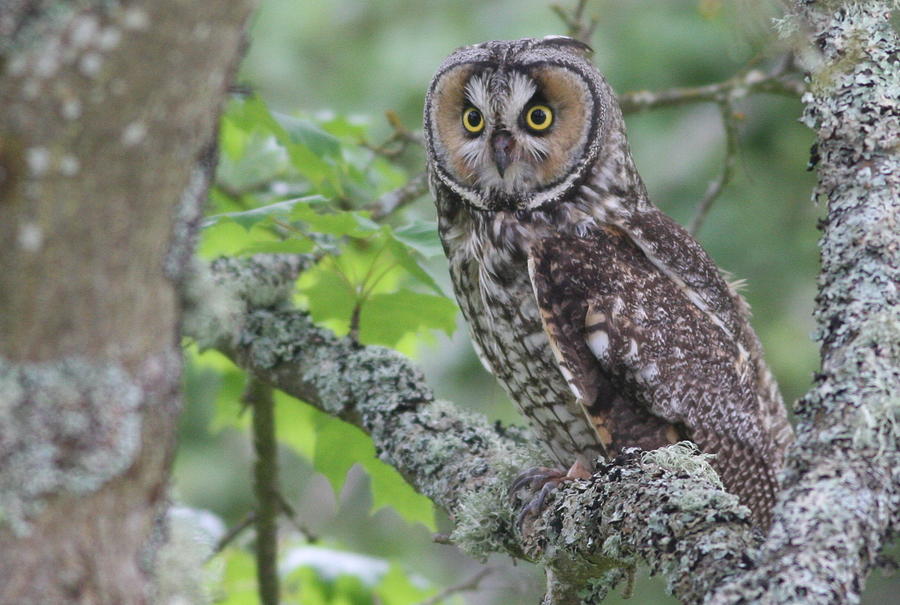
<point x="841" y="494"/>
<point x="666" y="508"/>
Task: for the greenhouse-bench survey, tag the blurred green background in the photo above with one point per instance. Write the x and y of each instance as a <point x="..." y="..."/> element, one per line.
<point x="361" y="59"/>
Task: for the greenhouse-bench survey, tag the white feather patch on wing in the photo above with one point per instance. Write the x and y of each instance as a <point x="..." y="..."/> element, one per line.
<point x="598" y="342"/>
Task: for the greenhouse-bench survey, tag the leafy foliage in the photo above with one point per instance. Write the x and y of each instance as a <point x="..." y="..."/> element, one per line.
<point x="296" y="185"/>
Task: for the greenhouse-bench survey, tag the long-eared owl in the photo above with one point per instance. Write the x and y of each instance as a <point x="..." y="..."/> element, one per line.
<point x="605" y="321"/>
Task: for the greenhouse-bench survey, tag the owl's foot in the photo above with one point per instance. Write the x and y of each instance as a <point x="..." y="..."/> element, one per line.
<point x="542" y="481"/>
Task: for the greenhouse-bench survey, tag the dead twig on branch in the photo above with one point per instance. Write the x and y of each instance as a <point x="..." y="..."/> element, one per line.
<point x="233" y="534"/>
<point x="398" y="142"/>
<point x="579" y="26"/>
<point x="466" y="585"/>
<point x="729" y="123"/>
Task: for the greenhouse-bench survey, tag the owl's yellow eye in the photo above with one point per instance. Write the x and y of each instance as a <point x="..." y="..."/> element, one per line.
<point x="472" y="120"/>
<point x="538" y="117"/>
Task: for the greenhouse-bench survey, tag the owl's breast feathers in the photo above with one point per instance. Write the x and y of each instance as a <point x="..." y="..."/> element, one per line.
<point x="657" y="347"/>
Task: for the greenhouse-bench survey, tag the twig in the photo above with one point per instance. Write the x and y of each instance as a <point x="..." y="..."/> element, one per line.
<point x="291" y="514"/>
<point x="233" y="533"/>
<point x="258" y="396"/>
<point x="741" y="85"/>
<point x="468" y="584"/>
<point x="393" y="200"/>
<point x="579" y="27"/>
<point x="401" y="138"/>
<point x="729" y="122"/>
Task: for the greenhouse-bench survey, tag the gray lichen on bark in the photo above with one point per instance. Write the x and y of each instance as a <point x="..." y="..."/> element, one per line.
<point x="67" y="426"/>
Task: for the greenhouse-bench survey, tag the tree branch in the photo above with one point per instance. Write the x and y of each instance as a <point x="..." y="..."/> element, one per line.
<point x="579" y="26"/>
<point x="740" y="86"/>
<point x="258" y="396"/>
<point x="391" y="201"/>
<point x="470" y="583"/>
<point x="841" y="493"/>
<point x="232" y="534"/>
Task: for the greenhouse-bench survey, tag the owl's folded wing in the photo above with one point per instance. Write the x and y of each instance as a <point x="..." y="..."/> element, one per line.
<point x="649" y="366"/>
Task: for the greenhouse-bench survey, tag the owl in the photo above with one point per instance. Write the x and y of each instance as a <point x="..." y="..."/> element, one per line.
<point x="606" y="323"/>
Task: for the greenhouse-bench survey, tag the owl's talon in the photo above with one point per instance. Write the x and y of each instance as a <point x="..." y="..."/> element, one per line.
<point x="534" y="478"/>
<point x="548" y="480"/>
<point x="536" y="504"/>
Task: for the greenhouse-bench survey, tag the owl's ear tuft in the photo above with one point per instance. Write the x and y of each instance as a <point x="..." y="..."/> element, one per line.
<point x="570" y="44"/>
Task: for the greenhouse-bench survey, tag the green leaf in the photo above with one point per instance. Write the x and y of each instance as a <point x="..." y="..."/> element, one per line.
<point x="421" y="236"/>
<point x="239" y="581"/>
<point x="404" y="257"/>
<point x="309" y="135"/>
<point x="385" y="318"/>
<point x="296" y="422"/>
<point x="343" y="223"/>
<point x="396" y="588"/>
<point x="305" y="585"/>
<point x="292" y="245"/>
<point x="313" y="153"/>
<point x="232" y="138"/>
<point x="340" y="445"/>
<point x="227" y="238"/>
<point x="250" y="218"/>
<point x="229" y="411"/>
<point x="329" y="296"/>
<point x="341" y="126"/>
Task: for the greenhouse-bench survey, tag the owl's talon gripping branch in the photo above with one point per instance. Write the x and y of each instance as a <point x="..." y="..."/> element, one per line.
<point x="541" y="481"/>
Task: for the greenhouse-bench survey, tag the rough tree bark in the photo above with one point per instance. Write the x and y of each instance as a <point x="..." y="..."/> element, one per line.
<point x="104" y="110"/>
<point x="841" y="494"/>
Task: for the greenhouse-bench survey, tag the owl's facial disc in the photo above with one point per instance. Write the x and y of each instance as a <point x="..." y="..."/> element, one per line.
<point x="510" y="136"/>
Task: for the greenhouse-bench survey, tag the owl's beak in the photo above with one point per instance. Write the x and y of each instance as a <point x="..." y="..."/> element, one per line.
<point x="502" y="144"/>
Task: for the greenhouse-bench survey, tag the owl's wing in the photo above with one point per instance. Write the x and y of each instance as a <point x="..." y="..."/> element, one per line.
<point x="649" y="365"/>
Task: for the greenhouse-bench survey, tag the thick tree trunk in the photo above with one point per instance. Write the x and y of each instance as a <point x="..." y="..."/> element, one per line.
<point x="103" y="114"/>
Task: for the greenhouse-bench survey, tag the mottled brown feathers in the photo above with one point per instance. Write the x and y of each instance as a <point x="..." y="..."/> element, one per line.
<point x="606" y="322"/>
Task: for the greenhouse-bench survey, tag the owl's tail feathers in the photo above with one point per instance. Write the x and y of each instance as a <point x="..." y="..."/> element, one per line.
<point x="752" y="478"/>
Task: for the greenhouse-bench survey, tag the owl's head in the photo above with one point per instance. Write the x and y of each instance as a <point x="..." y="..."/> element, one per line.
<point x="515" y="124"/>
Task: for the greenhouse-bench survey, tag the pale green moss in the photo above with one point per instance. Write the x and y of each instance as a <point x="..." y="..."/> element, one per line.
<point x="684" y="457"/>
